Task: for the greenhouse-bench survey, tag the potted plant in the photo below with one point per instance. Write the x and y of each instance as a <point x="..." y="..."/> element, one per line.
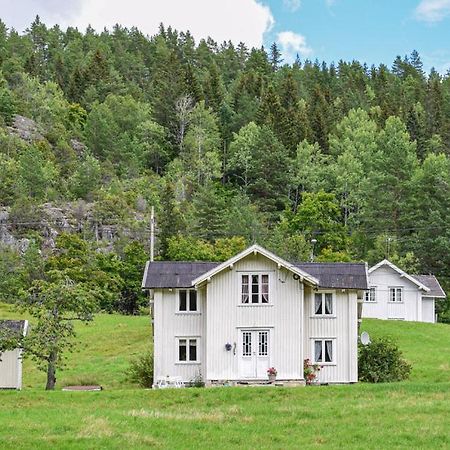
<point x="310" y="371"/>
<point x="272" y="374"/>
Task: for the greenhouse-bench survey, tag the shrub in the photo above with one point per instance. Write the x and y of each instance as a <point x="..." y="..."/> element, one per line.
<point x="381" y="361"/>
<point x="141" y="370"/>
<point x="197" y="381"/>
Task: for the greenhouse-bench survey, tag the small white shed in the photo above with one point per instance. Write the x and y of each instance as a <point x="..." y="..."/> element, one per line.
<point x="11" y="361"/>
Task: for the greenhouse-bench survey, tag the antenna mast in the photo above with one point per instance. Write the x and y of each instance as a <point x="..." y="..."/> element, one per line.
<point x="152" y="234"/>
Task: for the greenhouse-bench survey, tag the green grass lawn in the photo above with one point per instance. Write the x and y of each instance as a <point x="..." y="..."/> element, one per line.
<point x="412" y="414"/>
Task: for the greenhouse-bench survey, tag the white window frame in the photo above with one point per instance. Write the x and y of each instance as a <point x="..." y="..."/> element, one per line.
<point x="188" y="303"/>
<point x="396" y="289"/>
<point x="188" y="339"/>
<point x="368" y="297"/>
<point x="260" y="284"/>
<point x="333" y="304"/>
<point x="333" y="350"/>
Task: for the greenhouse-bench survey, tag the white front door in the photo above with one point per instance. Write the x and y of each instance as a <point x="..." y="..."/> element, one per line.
<point x="254" y="354"/>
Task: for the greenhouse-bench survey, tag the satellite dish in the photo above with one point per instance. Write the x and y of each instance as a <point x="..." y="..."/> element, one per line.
<point x="365" y="338"/>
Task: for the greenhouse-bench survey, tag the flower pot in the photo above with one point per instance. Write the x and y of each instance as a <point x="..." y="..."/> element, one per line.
<point x="272" y="378"/>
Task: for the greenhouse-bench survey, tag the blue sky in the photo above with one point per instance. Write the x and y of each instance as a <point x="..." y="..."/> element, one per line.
<point x="372" y="31"/>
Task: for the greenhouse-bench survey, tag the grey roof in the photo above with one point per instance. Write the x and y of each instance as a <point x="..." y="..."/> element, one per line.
<point x="431" y="282"/>
<point x="337" y="275"/>
<point x="174" y="274"/>
<point x="179" y="274"/>
<point x="14" y="326"/>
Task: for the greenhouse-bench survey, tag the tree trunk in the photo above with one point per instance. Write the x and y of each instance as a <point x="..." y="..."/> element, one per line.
<point x="51" y="371"/>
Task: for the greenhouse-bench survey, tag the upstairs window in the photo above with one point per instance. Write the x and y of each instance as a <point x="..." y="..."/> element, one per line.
<point x="396" y="294"/>
<point x="323" y="304"/>
<point x="187" y="300"/>
<point x="255" y="289"/>
<point x="370" y="295"/>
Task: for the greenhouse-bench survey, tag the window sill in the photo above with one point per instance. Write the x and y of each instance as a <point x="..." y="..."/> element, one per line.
<point x="258" y="305"/>
<point x="187" y="363"/>
<point x="326" y="364"/>
<point x="396" y="303"/>
<point x="322" y="316"/>
<point x="188" y="313"/>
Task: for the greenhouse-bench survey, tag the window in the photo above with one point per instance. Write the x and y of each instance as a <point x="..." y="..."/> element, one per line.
<point x="187" y="350"/>
<point x="247" y="343"/>
<point x="369" y="295"/>
<point x="396" y="294"/>
<point x="187" y="300"/>
<point x="323" y="351"/>
<point x="255" y="289"/>
<point x="323" y="304"/>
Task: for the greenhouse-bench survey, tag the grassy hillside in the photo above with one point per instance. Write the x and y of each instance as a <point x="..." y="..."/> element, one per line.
<point x="399" y="415"/>
<point x="426" y="346"/>
<point x="102" y="355"/>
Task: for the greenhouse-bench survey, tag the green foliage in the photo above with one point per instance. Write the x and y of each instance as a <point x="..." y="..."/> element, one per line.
<point x="140" y="370"/>
<point x="381" y="362"/>
<point x="182" y="248"/>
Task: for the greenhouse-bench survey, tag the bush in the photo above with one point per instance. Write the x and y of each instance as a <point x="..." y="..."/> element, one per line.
<point x="141" y="370"/>
<point x="381" y="361"/>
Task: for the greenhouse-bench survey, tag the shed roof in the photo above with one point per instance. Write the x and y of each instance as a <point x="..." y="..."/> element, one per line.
<point x="180" y="274"/>
<point x="431" y="282"/>
<point x="14" y="326"/>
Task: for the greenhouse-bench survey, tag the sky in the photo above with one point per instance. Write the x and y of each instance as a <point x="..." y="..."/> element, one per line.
<point x="371" y="31"/>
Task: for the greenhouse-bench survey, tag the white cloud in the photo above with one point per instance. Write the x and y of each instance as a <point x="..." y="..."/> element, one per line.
<point x="235" y="20"/>
<point x="330" y="3"/>
<point x="292" y="44"/>
<point x="432" y="10"/>
<point x="292" y="5"/>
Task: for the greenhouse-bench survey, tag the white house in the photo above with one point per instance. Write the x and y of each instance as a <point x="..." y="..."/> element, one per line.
<point x="394" y="294"/>
<point x="231" y="321"/>
<point x="11" y="361"/>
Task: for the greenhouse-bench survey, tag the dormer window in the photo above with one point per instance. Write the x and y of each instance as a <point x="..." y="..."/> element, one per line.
<point x="187" y="300"/>
<point x="255" y="289"/>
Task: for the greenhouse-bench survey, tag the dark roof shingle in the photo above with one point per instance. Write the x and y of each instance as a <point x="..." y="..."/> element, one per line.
<point x="14" y="326"/>
<point x="179" y="274"/>
<point x="431" y="282"/>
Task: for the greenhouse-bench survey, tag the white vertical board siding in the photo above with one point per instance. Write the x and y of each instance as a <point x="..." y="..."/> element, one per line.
<point x="227" y="317"/>
<point x="428" y="310"/>
<point x="342" y="329"/>
<point x="11" y="370"/>
<point x="169" y="325"/>
<point x="382" y="279"/>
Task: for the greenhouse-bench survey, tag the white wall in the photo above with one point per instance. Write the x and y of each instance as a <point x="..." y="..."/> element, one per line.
<point x="382" y="279"/>
<point x="11" y="370"/>
<point x="169" y="325"/>
<point x="226" y="317"/>
<point x="428" y="310"/>
<point x="342" y="329"/>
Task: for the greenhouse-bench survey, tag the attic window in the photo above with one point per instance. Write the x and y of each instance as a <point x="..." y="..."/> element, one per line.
<point x="255" y="289"/>
<point x="187" y="301"/>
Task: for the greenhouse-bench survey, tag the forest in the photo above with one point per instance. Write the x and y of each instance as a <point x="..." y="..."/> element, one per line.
<point x="336" y="161"/>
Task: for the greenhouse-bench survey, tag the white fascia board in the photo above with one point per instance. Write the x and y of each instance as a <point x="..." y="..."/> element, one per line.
<point x="256" y="249"/>
<point x="385" y="262"/>
<point x="144" y="278"/>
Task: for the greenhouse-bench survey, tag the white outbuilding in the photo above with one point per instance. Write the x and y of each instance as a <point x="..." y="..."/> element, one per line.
<point x="11" y="361"/>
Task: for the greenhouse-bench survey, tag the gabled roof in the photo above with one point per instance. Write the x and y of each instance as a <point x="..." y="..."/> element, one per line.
<point x="183" y="274"/>
<point x="402" y="273"/>
<point x="304" y="276"/>
<point x="431" y="282"/>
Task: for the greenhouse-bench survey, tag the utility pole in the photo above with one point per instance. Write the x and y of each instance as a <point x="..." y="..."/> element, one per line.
<point x="152" y="234"/>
